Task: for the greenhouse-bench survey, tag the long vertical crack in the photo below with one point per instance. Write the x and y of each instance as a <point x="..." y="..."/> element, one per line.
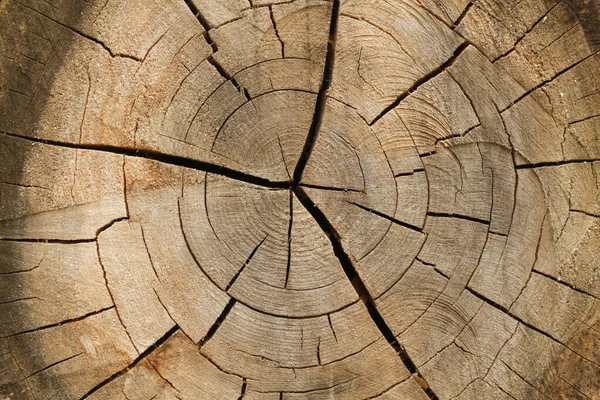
<point x="321" y="96"/>
<point x="318" y="215"/>
<point x="277" y="31"/>
<point x="289" y="241"/>
<point x="359" y="286"/>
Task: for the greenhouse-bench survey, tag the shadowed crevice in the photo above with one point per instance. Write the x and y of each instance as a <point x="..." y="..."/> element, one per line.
<point x="359" y="286"/>
<point x="135" y="362"/>
<point x="237" y="275"/>
<point x="458" y="216"/>
<point x="206" y="26"/>
<point x="321" y="96"/>
<point x="164" y="158"/>
<point x="420" y="82"/>
<point x="391" y="219"/>
<point x="215" y="327"/>
<point x="289" y="241"/>
<point x="462" y="15"/>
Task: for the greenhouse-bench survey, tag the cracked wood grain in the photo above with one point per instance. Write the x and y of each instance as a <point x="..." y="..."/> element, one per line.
<point x="275" y="199"/>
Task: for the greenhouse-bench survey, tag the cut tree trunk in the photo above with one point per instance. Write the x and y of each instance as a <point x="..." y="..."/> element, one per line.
<point x="289" y="199"/>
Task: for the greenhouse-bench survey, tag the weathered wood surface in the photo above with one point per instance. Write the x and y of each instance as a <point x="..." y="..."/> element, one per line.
<point x="267" y="199"/>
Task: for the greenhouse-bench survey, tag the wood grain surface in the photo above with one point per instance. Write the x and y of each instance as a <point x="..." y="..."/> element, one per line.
<point x="299" y="199"/>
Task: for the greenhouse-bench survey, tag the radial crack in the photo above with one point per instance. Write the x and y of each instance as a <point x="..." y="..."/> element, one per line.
<point x="458" y="216"/>
<point x="83" y="35"/>
<point x="215" y="327"/>
<point x="527" y="324"/>
<point x="135" y="362"/>
<point x="67" y="321"/>
<point x="206" y="34"/>
<point x="321" y="96"/>
<point x="358" y="285"/>
<point x="391" y="219"/>
<point x="277" y="31"/>
<point x="166" y="159"/>
<point x="289" y="241"/>
<point x="448" y="63"/>
<point x="237" y="275"/>
<point x="462" y="15"/>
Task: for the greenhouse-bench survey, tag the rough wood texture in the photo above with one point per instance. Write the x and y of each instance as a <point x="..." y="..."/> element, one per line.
<point x="305" y="199"/>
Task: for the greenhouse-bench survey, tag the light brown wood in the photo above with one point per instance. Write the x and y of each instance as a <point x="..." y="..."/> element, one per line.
<point x="299" y="199"/>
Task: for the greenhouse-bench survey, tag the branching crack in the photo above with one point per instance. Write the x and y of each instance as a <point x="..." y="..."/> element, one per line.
<point x="112" y="297"/>
<point x="206" y="34"/>
<point x="318" y="215"/>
